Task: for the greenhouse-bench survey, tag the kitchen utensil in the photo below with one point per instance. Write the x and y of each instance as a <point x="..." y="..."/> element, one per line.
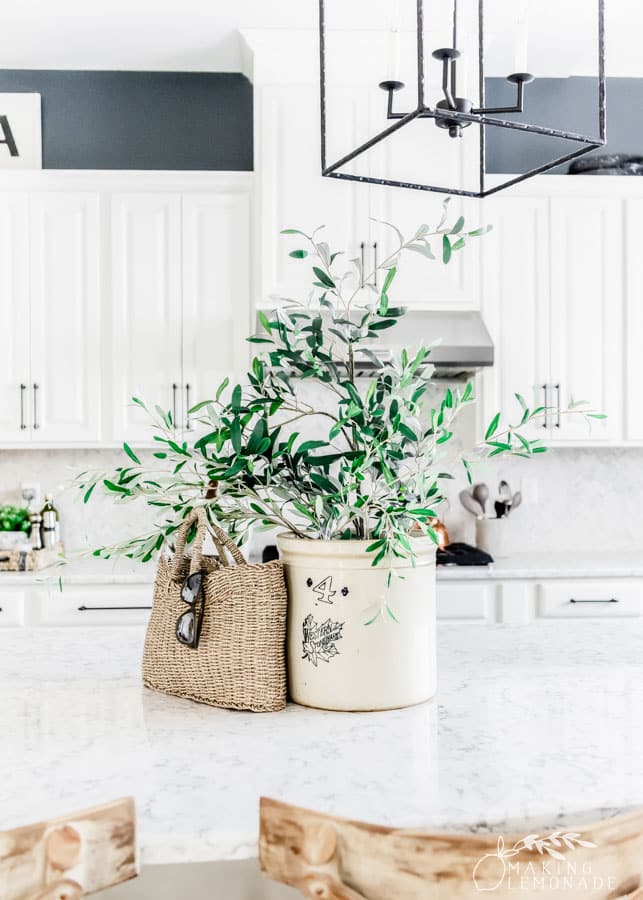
<point x="481" y="494"/>
<point x="516" y="500"/>
<point x="504" y="491"/>
<point x="502" y="509"/>
<point x="470" y="504"/>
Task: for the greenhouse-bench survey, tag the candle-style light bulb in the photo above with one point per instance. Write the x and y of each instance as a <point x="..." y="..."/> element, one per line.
<point x="393" y="69"/>
<point x="393" y="55"/>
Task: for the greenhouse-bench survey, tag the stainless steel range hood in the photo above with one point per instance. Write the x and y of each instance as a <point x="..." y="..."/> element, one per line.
<point x="465" y="344"/>
<point x="464" y="347"/>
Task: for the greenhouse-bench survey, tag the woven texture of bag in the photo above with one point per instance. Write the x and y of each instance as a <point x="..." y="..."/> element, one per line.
<point x="240" y="659"/>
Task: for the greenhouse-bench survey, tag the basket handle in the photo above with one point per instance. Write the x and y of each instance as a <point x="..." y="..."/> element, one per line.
<point x="221" y="540"/>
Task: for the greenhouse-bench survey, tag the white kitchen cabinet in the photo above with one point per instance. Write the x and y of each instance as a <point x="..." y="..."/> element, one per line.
<point x="634" y="318"/>
<point x="515" y="306"/>
<point x="79" y="605"/>
<point x="589" y="598"/>
<point x="12" y="609"/>
<point x="553" y="302"/>
<point x="116" y="286"/>
<point x="216" y="293"/>
<point x="180" y="301"/>
<point x="420" y="153"/>
<point x="65" y="317"/>
<point x="50" y="317"/>
<point x="145" y="309"/>
<point x="586" y="315"/>
<point x="293" y="194"/>
<point x="14" y="319"/>
<point x="467" y="603"/>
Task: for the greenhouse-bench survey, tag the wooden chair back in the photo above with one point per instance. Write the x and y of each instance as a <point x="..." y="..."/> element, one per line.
<point x="337" y="859"/>
<point x="66" y="858"/>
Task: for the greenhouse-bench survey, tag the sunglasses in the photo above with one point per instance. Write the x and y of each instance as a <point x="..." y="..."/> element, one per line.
<point x="188" y="624"/>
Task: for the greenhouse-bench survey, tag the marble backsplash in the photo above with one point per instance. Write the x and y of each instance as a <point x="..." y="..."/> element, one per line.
<point x="582" y="500"/>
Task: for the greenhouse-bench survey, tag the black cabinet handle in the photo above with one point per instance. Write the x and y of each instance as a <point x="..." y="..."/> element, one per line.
<point x="36" y="423"/>
<point x="188" y="424"/>
<point x="108" y="608"/>
<point x="546" y="393"/>
<point x="610" y="600"/>
<point x="375" y="264"/>
<point x="557" y="386"/>
<point x="23" y="388"/>
<point x="175" y="388"/>
<point x="361" y="250"/>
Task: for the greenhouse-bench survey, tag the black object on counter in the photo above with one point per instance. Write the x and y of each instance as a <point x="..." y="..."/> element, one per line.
<point x="458" y="554"/>
<point x="608" y="164"/>
<point x="269" y="553"/>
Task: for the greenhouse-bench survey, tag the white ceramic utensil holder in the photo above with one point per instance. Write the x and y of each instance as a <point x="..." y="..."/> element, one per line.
<point x="491" y="536"/>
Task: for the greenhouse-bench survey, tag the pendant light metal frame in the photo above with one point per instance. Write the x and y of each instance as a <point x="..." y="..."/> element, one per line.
<point x="588" y="142"/>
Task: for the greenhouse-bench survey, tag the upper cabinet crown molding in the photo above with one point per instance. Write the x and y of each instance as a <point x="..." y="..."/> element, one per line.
<point x="105" y="182"/>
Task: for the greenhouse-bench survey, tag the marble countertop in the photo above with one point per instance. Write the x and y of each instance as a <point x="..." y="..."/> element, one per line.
<point x="551" y="565"/>
<point x="529" y="723"/>
<point x="91" y="570"/>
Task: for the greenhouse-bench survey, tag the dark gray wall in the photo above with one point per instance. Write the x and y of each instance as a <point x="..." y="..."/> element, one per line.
<point x="141" y="120"/>
<point x="570" y="104"/>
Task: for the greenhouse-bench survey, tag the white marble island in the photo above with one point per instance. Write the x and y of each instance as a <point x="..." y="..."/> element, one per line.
<point x="529" y="721"/>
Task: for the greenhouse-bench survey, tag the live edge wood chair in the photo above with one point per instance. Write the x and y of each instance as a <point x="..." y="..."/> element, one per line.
<point x="67" y="858"/>
<point x="336" y="859"/>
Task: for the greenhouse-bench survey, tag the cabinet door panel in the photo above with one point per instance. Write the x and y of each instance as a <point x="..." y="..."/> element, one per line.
<point x="12" y="609"/>
<point x="65" y="317"/>
<point x="466" y="603"/>
<point x="146" y="309"/>
<point x="515" y="306"/>
<point x="587" y="314"/>
<point x="293" y="193"/>
<point x="590" y="598"/>
<point x="94" y="605"/>
<point x="634" y="336"/>
<point x="216" y="292"/>
<point x="14" y="317"/>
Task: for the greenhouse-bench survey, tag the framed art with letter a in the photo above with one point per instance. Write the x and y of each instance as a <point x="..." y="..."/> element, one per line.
<point x="20" y="131"/>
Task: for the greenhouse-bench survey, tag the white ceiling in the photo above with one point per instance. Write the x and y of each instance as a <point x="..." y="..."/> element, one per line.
<point x="197" y="35"/>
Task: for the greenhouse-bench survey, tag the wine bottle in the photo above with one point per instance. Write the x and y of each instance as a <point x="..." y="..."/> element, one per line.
<point x="50" y="523"/>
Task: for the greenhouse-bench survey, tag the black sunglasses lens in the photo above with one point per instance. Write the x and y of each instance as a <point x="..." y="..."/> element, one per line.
<point x="185" y="628"/>
<point x="191" y="588"/>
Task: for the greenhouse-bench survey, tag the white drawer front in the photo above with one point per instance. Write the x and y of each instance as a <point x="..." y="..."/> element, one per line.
<point x="12" y="609"/>
<point x="466" y="602"/>
<point x="95" y="605"/>
<point x="591" y="598"/>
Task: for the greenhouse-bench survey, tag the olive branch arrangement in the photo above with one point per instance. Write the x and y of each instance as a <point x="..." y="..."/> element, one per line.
<point x="374" y="472"/>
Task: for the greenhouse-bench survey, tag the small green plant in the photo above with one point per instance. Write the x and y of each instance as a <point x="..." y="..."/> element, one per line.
<point x="370" y="466"/>
<point x="14" y="518"/>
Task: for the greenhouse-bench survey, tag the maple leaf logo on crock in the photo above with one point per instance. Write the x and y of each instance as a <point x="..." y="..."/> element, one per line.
<point x="491" y="869"/>
<point x="320" y="639"/>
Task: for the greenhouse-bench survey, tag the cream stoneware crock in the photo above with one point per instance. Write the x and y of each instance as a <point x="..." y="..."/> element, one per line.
<point x="336" y="660"/>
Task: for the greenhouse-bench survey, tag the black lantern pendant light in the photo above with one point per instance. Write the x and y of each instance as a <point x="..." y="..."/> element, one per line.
<point x="454" y="112"/>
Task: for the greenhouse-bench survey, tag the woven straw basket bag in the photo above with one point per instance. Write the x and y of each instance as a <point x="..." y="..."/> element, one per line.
<point x="239" y="662"/>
